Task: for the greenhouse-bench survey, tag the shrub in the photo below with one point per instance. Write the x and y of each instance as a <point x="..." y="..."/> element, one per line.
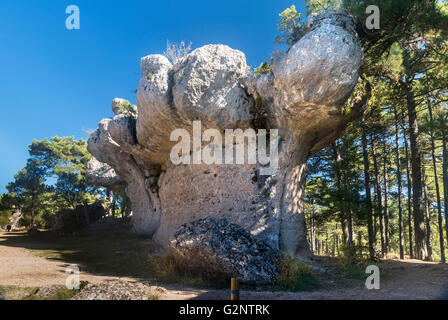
<point x="176" y="52"/>
<point x="290" y="26"/>
<point x="4" y="220"/>
<point x="295" y="275"/>
<point x="168" y="269"/>
<point x="127" y="109"/>
<point x="352" y="263"/>
<point x="263" y="68"/>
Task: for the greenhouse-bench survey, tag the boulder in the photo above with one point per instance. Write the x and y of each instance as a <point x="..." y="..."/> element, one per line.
<point x="217" y="248"/>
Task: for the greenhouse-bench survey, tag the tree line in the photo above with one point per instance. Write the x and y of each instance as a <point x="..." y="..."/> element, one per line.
<point x="53" y="180"/>
<point x="382" y="187"/>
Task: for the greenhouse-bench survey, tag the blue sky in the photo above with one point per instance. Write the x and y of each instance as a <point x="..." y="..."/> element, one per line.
<point x="56" y="81"/>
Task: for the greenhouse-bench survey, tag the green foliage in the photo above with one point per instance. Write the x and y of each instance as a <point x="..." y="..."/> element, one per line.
<point x="4" y="220"/>
<point x="128" y="109"/>
<point x="295" y="275"/>
<point x="322" y="5"/>
<point x="28" y="190"/>
<point x="15" y="292"/>
<point x="62" y="161"/>
<point x="168" y="269"/>
<point x="408" y="55"/>
<point x="65" y="159"/>
<point x="400" y="20"/>
<point x="290" y="26"/>
<point x="263" y="68"/>
<point x="5" y="211"/>
<point x="352" y="263"/>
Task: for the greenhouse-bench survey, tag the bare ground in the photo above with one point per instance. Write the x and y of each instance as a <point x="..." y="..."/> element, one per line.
<point x="406" y="279"/>
<point x="21" y="267"/>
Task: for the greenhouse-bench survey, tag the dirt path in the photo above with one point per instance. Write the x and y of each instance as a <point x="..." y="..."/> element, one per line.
<point x="21" y="267"/>
<point x="406" y="279"/>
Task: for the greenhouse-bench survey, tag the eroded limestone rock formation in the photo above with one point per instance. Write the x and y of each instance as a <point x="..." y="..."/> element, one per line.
<point x="302" y="97"/>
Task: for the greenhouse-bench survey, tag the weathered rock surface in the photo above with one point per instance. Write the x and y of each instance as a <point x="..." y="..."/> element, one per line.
<point x="102" y="174"/>
<point x="118" y="290"/>
<point x="302" y="97"/>
<point x="216" y="247"/>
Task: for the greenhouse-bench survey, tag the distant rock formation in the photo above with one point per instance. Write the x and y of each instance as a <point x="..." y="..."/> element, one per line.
<point x="302" y="97"/>
<point x="15" y="219"/>
<point x="69" y="220"/>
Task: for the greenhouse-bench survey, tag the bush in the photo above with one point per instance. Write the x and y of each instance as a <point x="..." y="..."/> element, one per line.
<point x="352" y="263"/>
<point x="167" y="269"/>
<point x="4" y="220"/>
<point x="177" y="53"/>
<point x="295" y="275"/>
<point x="263" y="68"/>
<point x="69" y="220"/>
<point x="5" y="213"/>
<point x="128" y="109"/>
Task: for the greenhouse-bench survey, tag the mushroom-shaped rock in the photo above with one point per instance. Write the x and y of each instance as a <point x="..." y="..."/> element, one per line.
<point x="302" y="97"/>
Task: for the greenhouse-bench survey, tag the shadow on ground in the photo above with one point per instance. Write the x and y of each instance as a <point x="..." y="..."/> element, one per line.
<point x="119" y="253"/>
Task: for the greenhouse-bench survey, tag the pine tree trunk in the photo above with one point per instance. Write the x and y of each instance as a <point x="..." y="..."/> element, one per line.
<point x="421" y="250"/>
<point x="436" y="181"/>
<point x="312" y="230"/>
<point x="32" y="218"/>
<point x="409" y="189"/>
<point x="386" y="195"/>
<point x="86" y="214"/>
<point x="114" y="204"/>
<point x="445" y="179"/>
<point x="350" y="227"/>
<point x="428" y="216"/>
<point x="368" y="194"/>
<point x="128" y="211"/>
<point x="379" y="198"/>
<point x="398" y="164"/>
<point x="337" y="244"/>
<point x="344" y="215"/>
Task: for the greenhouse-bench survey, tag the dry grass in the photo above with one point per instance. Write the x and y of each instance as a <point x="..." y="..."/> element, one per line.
<point x="168" y="269"/>
<point x="295" y="275"/>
